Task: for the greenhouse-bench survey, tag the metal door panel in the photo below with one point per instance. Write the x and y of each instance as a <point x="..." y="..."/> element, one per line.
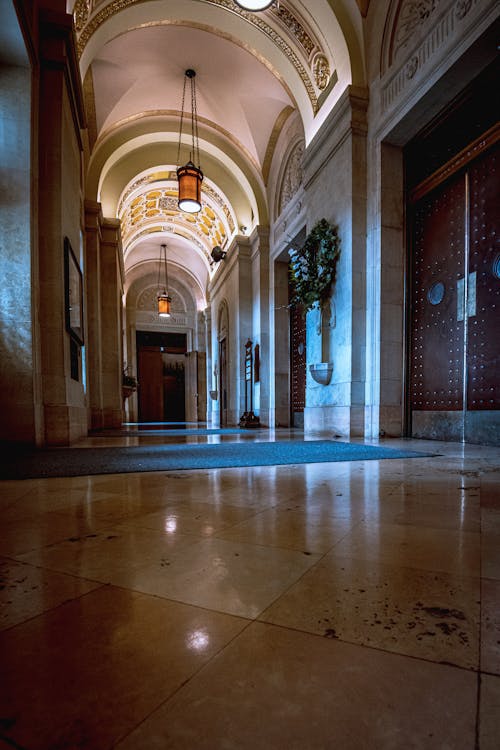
<point x="483" y="388"/>
<point x="437" y="351"/>
<point x="483" y="331"/>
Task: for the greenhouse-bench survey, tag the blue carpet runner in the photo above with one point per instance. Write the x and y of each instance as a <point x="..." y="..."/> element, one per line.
<point x="69" y="462"/>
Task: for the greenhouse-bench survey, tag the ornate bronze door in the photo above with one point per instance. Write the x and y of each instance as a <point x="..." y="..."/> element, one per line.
<point x="455" y="307"/>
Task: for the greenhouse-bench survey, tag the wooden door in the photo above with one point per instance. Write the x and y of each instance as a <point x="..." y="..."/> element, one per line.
<point x="150" y="385"/>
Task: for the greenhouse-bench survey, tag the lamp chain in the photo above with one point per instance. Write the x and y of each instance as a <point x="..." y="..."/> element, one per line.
<point x="163" y="262"/>
<point x="182" y="119"/>
<point x="194" y="123"/>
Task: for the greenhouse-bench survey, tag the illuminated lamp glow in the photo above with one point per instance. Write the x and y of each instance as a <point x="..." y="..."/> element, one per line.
<point x="190" y="179"/>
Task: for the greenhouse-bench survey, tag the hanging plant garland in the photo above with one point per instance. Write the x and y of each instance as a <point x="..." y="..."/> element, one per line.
<point x="314" y="266"/>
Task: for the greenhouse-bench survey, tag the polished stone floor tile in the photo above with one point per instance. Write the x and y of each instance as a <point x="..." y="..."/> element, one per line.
<point x="29" y="535"/>
<point x="192" y="517"/>
<point x="26" y="591"/>
<point x="490" y="626"/>
<point x="240" y="579"/>
<point x="442" y="550"/>
<point x="489" y="713"/>
<point x="87" y="673"/>
<point x="490" y="542"/>
<point x="101" y="554"/>
<point x="364" y="576"/>
<point x="413" y="612"/>
<point x="311" y="532"/>
<point x="272" y="688"/>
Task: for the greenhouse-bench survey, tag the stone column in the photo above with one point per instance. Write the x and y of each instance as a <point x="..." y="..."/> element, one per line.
<point x="60" y="217"/>
<point x="243" y="330"/>
<point x="111" y="323"/>
<point x="335" y="185"/>
<point x="93" y="222"/>
<point x="261" y="320"/>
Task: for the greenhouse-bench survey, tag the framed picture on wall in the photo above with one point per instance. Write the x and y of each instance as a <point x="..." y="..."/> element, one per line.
<point x="74" y="293"/>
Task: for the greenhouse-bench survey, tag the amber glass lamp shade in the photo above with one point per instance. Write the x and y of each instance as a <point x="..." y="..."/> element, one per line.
<point x="164" y="305"/>
<point x="190" y="179"/>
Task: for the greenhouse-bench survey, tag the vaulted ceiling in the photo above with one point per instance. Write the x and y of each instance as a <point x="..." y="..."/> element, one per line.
<point x="253" y="72"/>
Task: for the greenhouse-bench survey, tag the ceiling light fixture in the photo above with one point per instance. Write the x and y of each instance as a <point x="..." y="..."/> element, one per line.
<point x="254" y="4"/>
<point x="218" y="254"/>
<point x="163" y="297"/>
<point x="189" y="176"/>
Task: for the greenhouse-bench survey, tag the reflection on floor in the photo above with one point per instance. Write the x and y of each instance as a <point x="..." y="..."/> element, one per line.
<point x="346" y="605"/>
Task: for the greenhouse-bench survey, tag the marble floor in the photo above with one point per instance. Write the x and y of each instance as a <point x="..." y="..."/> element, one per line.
<point x="307" y="607"/>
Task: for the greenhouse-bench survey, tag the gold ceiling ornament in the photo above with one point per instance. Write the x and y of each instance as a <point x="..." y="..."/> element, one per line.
<point x="155" y="205"/>
<point x="321" y="70"/>
<point x="297" y="28"/>
<point x="81" y="13"/>
<point x="293" y="26"/>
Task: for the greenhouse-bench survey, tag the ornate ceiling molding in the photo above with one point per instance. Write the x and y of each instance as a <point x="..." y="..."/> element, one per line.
<point x="150" y="203"/>
<point x="90" y="16"/>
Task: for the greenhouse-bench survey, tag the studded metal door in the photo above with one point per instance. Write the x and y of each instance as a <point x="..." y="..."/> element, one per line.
<point x="455" y="302"/>
<point x="437" y="356"/>
<point x="483" y="329"/>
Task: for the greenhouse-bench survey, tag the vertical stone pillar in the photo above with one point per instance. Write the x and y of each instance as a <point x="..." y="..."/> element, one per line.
<point x="261" y="319"/>
<point x="18" y="308"/>
<point x="60" y="154"/>
<point x="93" y="222"/>
<point x="335" y="185"/>
<point x="243" y="330"/>
<point x="280" y="344"/>
<point x="111" y="323"/>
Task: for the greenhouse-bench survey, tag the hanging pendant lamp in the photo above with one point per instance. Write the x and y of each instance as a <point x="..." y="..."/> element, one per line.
<point x="254" y="4"/>
<point x="163" y="297"/>
<point x="190" y="176"/>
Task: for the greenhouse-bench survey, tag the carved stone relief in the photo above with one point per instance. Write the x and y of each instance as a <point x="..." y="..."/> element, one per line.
<point x="412" y="15"/>
<point x="321" y="70"/>
<point x="293" y="175"/>
<point x="418" y="31"/>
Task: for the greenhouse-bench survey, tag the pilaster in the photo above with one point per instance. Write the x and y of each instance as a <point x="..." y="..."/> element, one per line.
<point x="111" y="265"/>
<point x="93" y="236"/>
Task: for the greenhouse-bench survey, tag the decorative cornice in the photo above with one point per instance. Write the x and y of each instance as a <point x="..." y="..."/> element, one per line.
<point x="422" y="28"/>
<point x="87" y="24"/>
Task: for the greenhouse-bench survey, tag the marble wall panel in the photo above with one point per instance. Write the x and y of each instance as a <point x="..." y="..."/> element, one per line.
<point x="16" y="331"/>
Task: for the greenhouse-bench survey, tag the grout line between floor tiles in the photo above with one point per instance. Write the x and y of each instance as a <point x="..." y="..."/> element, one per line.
<point x="193" y="675"/>
<point x="379" y="649"/>
<point x="45" y="612"/>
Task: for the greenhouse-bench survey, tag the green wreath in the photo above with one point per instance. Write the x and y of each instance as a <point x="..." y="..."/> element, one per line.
<point x="313" y="268"/>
